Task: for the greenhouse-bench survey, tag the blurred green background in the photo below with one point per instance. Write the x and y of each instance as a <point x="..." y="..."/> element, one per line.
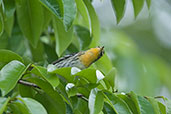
<point x="139" y="48"/>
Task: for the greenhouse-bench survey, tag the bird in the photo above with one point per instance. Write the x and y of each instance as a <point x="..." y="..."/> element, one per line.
<point x="81" y="60"/>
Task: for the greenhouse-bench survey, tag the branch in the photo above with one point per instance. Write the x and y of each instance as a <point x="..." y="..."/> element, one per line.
<point x="28" y="83"/>
<point x="35" y="86"/>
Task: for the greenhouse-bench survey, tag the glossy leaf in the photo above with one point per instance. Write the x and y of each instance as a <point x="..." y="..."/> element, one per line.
<point x="110" y="77"/>
<point x="117" y="104"/>
<point x="80" y="106"/>
<point x="71" y="89"/>
<point x="131" y="104"/>
<point x="47" y="17"/>
<point x="55" y="6"/>
<point x="63" y="38"/>
<point x="148" y="3"/>
<point x="33" y="106"/>
<point x="168" y="106"/>
<point x="3" y="104"/>
<point x="96" y="101"/>
<point x="104" y="64"/>
<point x="19" y="107"/>
<point x="41" y="71"/>
<point x="50" y="104"/>
<point x="84" y="12"/>
<point x="138" y="5"/>
<point x="89" y="74"/>
<point x="9" y="15"/>
<point x="162" y="108"/>
<point x="154" y="103"/>
<point x="10" y="74"/>
<point x="83" y="36"/>
<point x="32" y="23"/>
<point x="26" y="91"/>
<point x="107" y="109"/>
<point x="1" y="24"/>
<point x="8" y="56"/>
<point x="119" y="9"/>
<point x="95" y="25"/>
<point x="134" y="98"/>
<point x="64" y="72"/>
<point x="37" y="52"/>
<point x="145" y="106"/>
<point x="54" y="95"/>
<point x="69" y="13"/>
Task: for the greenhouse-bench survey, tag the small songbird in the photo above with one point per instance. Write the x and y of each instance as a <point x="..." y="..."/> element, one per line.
<point x="81" y="59"/>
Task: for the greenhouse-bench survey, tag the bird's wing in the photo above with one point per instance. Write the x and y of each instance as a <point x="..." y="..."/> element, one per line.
<point x="63" y="58"/>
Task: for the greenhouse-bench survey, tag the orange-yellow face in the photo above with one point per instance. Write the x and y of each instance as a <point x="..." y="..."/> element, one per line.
<point x="91" y="56"/>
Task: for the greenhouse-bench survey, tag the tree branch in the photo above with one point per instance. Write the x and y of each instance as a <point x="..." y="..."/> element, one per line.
<point x="36" y="86"/>
<point x="28" y="83"/>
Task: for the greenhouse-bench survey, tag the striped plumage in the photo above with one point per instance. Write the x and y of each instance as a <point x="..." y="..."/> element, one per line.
<point x="81" y="59"/>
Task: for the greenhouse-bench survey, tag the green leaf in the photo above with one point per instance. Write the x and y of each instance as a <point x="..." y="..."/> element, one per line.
<point x="37" y="52"/>
<point x="162" y="108"/>
<point x="64" y="72"/>
<point x="148" y="3"/>
<point x="154" y="103"/>
<point x="117" y="104"/>
<point x="49" y="103"/>
<point x="71" y="89"/>
<point x="8" y="56"/>
<point x="22" y="109"/>
<point x="63" y="38"/>
<point x="50" y="53"/>
<point x="110" y="77"/>
<point x="130" y="101"/>
<point x="134" y="98"/>
<point x="3" y="104"/>
<point x="80" y="106"/>
<point x="14" y="109"/>
<point x="26" y="91"/>
<point x="1" y="24"/>
<point x="3" y="42"/>
<point x="69" y="13"/>
<point x="89" y="74"/>
<point x="33" y="106"/>
<point x="9" y="15"/>
<point x="107" y="109"/>
<point x="52" y="93"/>
<point x="96" y="101"/>
<point x="84" y="12"/>
<point x="83" y="36"/>
<point x="145" y="106"/>
<point x="17" y="43"/>
<point x="119" y="9"/>
<point x="138" y="5"/>
<point x="41" y="71"/>
<point x="10" y="74"/>
<point x="55" y="6"/>
<point x="47" y="17"/>
<point x="168" y="106"/>
<point x="104" y="64"/>
<point x="32" y="23"/>
<point x="95" y="25"/>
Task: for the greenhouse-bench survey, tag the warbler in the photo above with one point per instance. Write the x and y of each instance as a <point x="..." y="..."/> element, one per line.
<point x="81" y="59"/>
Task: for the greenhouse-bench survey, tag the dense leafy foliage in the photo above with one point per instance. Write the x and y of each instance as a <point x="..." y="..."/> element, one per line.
<point x="33" y="33"/>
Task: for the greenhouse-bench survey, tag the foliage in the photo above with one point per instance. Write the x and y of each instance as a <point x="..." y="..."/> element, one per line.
<point x="36" y="32"/>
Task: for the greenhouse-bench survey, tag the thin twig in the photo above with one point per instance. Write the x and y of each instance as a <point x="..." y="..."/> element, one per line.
<point x="82" y="96"/>
<point x="28" y="83"/>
